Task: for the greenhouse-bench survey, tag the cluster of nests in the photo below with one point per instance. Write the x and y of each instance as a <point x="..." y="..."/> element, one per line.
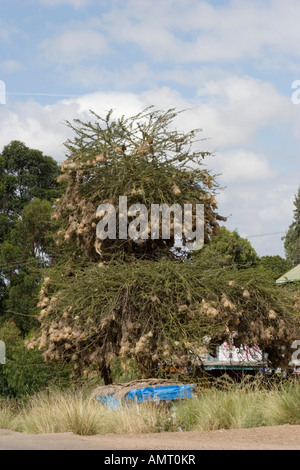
<point x="80" y="215"/>
<point x="82" y="222"/>
<point x="67" y="336"/>
<point x="84" y="339"/>
<point x="57" y="335"/>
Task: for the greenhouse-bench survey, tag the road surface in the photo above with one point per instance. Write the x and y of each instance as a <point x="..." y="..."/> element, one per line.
<point x="265" y="438"/>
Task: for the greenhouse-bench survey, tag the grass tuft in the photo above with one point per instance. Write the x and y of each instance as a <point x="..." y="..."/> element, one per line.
<point x="224" y="407"/>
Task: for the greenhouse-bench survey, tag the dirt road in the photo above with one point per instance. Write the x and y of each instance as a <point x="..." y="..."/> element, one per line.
<point x="266" y="438"/>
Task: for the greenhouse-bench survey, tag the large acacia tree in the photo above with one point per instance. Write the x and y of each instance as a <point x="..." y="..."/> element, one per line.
<point x="145" y="299"/>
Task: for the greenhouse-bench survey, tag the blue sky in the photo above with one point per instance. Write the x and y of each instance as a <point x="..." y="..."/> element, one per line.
<point x="231" y="64"/>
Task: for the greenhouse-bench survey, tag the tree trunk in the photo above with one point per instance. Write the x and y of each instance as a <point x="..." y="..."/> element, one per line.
<point x="106" y="374"/>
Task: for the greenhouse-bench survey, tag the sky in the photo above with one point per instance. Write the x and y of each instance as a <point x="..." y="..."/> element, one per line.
<point x="233" y="66"/>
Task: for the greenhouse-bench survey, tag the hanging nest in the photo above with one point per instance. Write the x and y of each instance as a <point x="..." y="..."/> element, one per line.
<point x="102" y="166"/>
<point x="141" y="299"/>
<point x="161" y="314"/>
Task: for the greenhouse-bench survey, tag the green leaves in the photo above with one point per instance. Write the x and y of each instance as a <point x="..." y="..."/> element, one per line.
<point x="142" y="157"/>
<point x="229" y="248"/>
<point x="25" y="371"/>
<point x="27" y="188"/>
<point x="292" y="238"/>
<point x="24" y="174"/>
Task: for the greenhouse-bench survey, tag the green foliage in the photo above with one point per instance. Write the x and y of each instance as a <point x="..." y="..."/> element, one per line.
<point x="160" y="312"/>
<point x="229" y="248"/>
<point x="292" y="238"/>
<point x="140" y="300"/>
<point x="22" y="255"/>
<point x="123" y="370"/>
<point x="35" y="228"/>
<point x="6" y="224"/>
<point x="276" y="265"/>
<point x="27" y="186"/>
<point x="25" y="371"/>
<point x="21" y="299"/>
<point x="142" y="159"/>
<point x="25" y="174"/>
<point x="26" y="238"/>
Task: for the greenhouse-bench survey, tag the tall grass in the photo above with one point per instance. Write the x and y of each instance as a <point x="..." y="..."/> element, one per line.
<point x="75" y="411"/>
<point x="232" y="406"/>
<point x="218" y="409"/>
<point x="283" y="407"/>
<point x="53" y="412"/>
<point x="8" y="416"/>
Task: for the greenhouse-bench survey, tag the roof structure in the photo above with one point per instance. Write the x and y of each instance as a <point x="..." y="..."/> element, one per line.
<point x="291" y="276"/>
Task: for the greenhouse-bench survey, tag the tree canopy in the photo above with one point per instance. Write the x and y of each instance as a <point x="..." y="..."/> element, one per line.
<point x="229" y="248"/>
<point x="28" y="187"/>
<point x="143" y="299"/>
<point x="140" y="158"/>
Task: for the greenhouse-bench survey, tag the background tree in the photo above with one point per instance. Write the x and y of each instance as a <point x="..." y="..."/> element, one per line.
<point x="25" y="174"/>
<point x="23" y="255"/>
<point x="276" y="265"/>
<point x="27" y="188"/>
<point x="25" y="371"/>
<point x="292" y="238"/>
<point x="229" y="248"/>
<point x="142" y="299"/>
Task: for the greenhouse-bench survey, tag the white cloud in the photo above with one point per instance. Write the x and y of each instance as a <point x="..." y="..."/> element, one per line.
<point x="74" y="46"/>
<point x="95" y="76"/>
<point x="175" y="34"/>
<point x="11" y="66"/>
<point x="74" y="3"/>
<point x="241" y="164"/>
<point x="258" y="197"/>
<point x="148" y="44"/>
<point x="261" y="210"/>
<point x="230" y="111"/>
<point x="122" y="103"/>
<point x="198" y="31"/>
<point x="44" y="127"/>
<point x="35" y="127"/>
